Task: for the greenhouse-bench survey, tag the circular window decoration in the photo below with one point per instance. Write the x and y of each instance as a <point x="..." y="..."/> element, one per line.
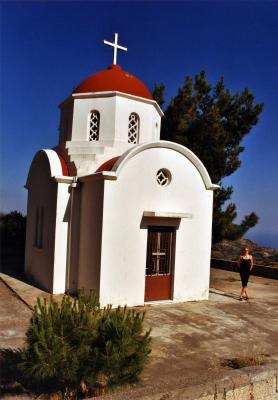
<point x="163" y="177"/>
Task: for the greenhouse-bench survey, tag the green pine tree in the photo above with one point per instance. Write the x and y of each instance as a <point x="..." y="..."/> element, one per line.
<point x="158" y="94"/>
<point x="77" y="345"/>
<point x="212" y="122"/>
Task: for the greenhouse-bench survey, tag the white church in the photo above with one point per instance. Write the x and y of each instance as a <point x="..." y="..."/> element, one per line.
<point x="114" y="208"/>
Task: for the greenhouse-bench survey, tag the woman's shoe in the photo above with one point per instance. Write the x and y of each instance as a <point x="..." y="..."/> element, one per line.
<point x="241" y="298"/>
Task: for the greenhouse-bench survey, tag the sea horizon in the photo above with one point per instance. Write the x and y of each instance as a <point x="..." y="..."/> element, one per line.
<point x="266" y="239"/>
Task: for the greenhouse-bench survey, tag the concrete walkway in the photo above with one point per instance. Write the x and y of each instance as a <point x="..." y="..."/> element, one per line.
<point x="14" y="318"/>
<point x="17" y="299"/>
<point x="192" y="342"/>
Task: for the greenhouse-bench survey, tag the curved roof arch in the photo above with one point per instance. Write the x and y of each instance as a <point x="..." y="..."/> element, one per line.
<point x="54" y="161"/>
<point x="123" y="160"/>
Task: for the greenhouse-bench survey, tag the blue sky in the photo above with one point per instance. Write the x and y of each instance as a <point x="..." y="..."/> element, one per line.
<point x="47" y="48"/>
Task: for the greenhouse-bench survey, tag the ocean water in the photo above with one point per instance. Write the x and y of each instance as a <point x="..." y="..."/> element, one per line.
<point x="264" y="239"/>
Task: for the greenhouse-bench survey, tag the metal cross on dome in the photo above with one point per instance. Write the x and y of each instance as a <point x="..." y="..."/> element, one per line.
<point x="116" y="47"/>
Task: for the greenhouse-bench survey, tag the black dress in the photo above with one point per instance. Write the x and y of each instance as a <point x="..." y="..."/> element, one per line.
<point x="244" y="271"/>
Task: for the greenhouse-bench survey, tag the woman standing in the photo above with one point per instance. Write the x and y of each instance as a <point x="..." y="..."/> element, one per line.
<point x="245" y="264"/>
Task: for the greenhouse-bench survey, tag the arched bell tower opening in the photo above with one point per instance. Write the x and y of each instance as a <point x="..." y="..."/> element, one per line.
<point x="133" y="128"/>
<point x="107" y="113"/>
<point x="94" y="124"/>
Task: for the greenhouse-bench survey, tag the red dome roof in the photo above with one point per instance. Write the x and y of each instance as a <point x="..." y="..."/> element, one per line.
<point x="114" y="79"/>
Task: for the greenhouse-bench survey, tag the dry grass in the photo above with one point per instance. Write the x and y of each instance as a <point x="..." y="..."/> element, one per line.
<point x="248" y="361"/>
<point x="232" y="279"/>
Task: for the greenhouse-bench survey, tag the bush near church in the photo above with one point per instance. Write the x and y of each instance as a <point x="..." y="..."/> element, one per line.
<point x="12" y="241"/>
<point x="79" y="349"/>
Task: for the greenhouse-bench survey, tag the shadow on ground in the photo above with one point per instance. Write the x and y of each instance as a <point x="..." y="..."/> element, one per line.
<point x="11" y="380"/>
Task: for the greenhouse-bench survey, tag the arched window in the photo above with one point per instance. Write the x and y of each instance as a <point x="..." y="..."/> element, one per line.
<point x="133" y="128"/>
<point x="94" y="126"/>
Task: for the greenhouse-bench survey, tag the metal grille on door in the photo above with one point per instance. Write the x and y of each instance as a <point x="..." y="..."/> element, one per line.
<point x="159" y="263"/>
<point x="159" y="252"/>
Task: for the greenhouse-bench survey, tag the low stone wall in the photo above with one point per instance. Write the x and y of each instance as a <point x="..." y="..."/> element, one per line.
<point x="252" y="383"/>
<point x="258" y="270"/>
<point x="259" y="383"/>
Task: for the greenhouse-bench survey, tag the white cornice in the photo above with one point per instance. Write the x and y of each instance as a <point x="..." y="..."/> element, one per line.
<point x="93" y="95"/>
<point x="168" y="214"/>
<point x="98" y="175"/>
<point x="63" y="179"/>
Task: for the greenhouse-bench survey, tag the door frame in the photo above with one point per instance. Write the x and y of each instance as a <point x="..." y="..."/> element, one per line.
<point x="173" y="229"/>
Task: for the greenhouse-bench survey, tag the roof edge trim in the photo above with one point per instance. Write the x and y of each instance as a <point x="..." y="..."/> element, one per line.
<point x="107" y="175"/>
<point x="169" y="145"/>
<point x="116" y="93"/>
<point x="54" y="163"/>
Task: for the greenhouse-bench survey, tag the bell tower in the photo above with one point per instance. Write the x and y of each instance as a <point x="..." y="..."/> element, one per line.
<point x="107" y="114"/>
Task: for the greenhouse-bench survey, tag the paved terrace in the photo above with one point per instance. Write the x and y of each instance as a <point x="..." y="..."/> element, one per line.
<point x="192" y="341"/>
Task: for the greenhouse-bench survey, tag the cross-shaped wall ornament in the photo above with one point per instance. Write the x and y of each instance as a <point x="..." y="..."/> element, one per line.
<point x="116" y="47"/>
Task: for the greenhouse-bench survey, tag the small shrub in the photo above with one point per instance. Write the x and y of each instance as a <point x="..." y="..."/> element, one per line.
<point x="248" y="361"/>
<point x="79" y="347"/>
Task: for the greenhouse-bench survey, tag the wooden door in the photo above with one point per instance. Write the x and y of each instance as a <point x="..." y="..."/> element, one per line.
<point x="160" y="247"/>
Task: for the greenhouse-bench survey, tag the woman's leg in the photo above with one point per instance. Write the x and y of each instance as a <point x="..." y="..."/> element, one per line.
<point x="246" y="293"/>
<point x="246" y="283"/>
<point x="242" y="286"/>
<point x="244" y="275"/>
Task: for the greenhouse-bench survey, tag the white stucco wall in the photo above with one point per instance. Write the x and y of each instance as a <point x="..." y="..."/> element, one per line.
<point x="61" y="238"/>
<point x="42" y="193"/>
<point x="124" y="232"/>
<point x="91" y="218"/>
<point x="82" y="108"/>
<point x="73" y="241"/>
<point x="114" y="114"/>
<point x="47" y="265"/>
<point x="149" y="126"/>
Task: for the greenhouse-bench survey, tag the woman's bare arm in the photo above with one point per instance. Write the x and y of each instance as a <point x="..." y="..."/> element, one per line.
<point x="252" y="263"/>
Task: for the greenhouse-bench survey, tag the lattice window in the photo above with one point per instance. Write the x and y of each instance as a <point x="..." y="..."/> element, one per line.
<point x="133" y="128"/>
<point x="163" y="177"/>
<point x="94" y="126"/>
